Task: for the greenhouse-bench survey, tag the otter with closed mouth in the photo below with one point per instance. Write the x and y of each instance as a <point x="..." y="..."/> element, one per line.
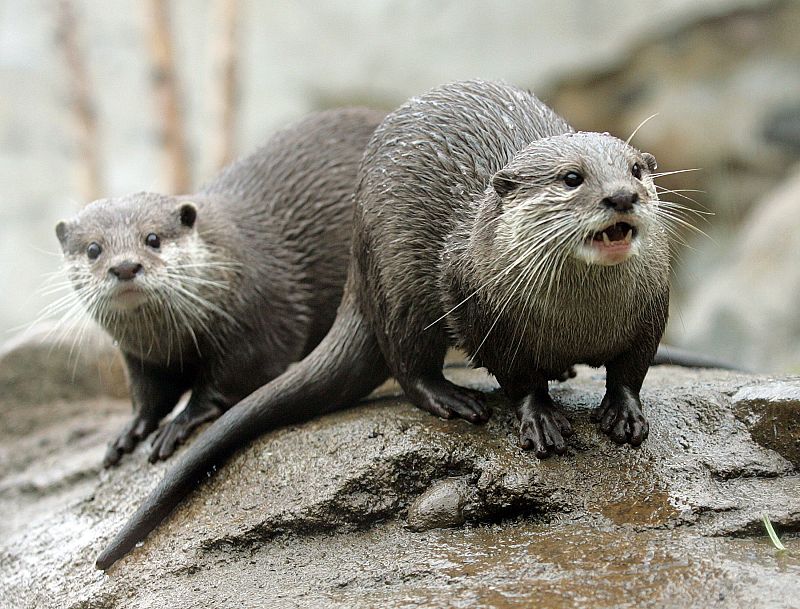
<point x="483" y="221"/>
<point x="218" y="292"/>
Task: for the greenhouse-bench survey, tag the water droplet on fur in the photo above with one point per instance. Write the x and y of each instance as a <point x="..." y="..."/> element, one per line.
<point x="457" y="190"/>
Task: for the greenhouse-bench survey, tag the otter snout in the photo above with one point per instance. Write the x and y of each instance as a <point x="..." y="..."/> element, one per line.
<point x="621" y="201"/>
<point x="125" y="271"/>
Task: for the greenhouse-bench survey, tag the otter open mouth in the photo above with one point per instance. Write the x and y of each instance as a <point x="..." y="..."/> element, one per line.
<point x="611" y="245"/>
<point x="616" y="235"/>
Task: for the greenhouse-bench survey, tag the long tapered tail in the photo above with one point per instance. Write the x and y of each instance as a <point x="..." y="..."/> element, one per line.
<point x="674" y="356"/>
<point x="344" y="367"/>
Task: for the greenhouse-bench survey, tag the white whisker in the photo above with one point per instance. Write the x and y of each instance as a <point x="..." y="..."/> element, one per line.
<point x="642" y="124"/>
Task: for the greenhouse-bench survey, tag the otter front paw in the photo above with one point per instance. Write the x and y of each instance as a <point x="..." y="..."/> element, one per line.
<point x="447" y="400"/>
<point x="543" y="428"/>
<point x="620" y="416"/>
<point x="134" y="432"/>
<point x="178" y="430"/>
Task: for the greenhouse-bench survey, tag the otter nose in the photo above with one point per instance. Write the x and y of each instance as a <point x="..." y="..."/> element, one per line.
<point x="621" y="201"/>
<point x="125" y="271"/>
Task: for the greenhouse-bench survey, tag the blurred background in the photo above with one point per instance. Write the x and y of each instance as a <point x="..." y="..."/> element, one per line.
<point x="106" y="97"/>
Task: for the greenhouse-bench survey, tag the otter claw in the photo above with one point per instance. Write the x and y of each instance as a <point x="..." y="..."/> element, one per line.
<point x="620" y="417"/>
<point x="447" y="400"/>
<point x="178" y="430"/>
<point x="135" y="431"/>
<point x="543" y="429"/>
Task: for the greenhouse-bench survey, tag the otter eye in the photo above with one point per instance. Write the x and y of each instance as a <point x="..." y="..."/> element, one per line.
<point x="573" y="179"/>
<point x="636" y="170"/>
<point x="153" y="241"/>
<point x="93" y="251"/>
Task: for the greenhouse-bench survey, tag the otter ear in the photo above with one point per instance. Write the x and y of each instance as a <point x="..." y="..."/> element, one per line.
<point x="188" y="214"/>
<point x="650" y="160"/>
<point x="505" y="183"/>
<point x="62" y="232"/>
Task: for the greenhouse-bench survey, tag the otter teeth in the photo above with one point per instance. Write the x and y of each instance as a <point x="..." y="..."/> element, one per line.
<point x="618" y="233"/>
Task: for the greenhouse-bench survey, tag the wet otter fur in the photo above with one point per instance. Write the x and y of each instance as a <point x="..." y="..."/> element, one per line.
<point x="482" y="220"/>
<point x="219" y="291"/>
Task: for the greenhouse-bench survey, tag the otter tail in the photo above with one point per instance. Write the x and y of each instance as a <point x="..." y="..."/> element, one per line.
<point x="674" y="356"/>
<point x="344" y="367"/>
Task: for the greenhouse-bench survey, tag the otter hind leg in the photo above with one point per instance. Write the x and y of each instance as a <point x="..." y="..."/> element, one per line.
<point x="416" y="360"/>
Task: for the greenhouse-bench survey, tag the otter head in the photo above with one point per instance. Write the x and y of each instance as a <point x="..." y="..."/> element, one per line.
<point x="125" y="253"/>
<point x="588" y="194"/>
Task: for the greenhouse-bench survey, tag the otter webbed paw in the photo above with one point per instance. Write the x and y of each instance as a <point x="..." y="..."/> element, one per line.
<point x="444" y="399"/>
<point x="543" y="427"/>
<point x="621" y="418"/>
<point x="178" y="430"/>
<point x="134" y="432"/>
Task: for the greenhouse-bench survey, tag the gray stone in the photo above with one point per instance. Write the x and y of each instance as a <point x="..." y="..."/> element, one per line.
<point x="440" y="506"/>
<point x="58" y="361"/>
<point x="748" y="309"/>
<point x="771" y="412"/>
<point x="316" y="515"/>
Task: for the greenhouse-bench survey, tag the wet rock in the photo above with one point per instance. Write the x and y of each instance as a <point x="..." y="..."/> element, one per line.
<point x="316" y="515"/>
<point x="57" y="361"/>
<point x="440" y="506"/>
<point x="748" y="309"/>
<point x="771" y="412"/>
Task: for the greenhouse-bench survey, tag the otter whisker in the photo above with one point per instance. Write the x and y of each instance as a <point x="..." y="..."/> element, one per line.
<point x="531" y="274"/>
<point x="554" y="270"/>
<point x="182" y="312"/>
<point x="533" y="279"/>
<point x="703" y="215"/>
<point x="197" y="281"/>
<point x="669" y="173"/>
<point x="642" y="124"/>
<point x="674" y="217"/>
<point x="676" y="236"/>
<point x="215" y="263"/>
<point x="204" y="304"/>
<point x="506" y="300"/>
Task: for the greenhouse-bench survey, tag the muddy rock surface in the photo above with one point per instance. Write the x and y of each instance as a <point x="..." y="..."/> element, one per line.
<point x="386" y="506"/>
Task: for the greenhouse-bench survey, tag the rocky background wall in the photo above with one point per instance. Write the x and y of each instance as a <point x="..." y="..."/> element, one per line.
<point x="82" y="116"/>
